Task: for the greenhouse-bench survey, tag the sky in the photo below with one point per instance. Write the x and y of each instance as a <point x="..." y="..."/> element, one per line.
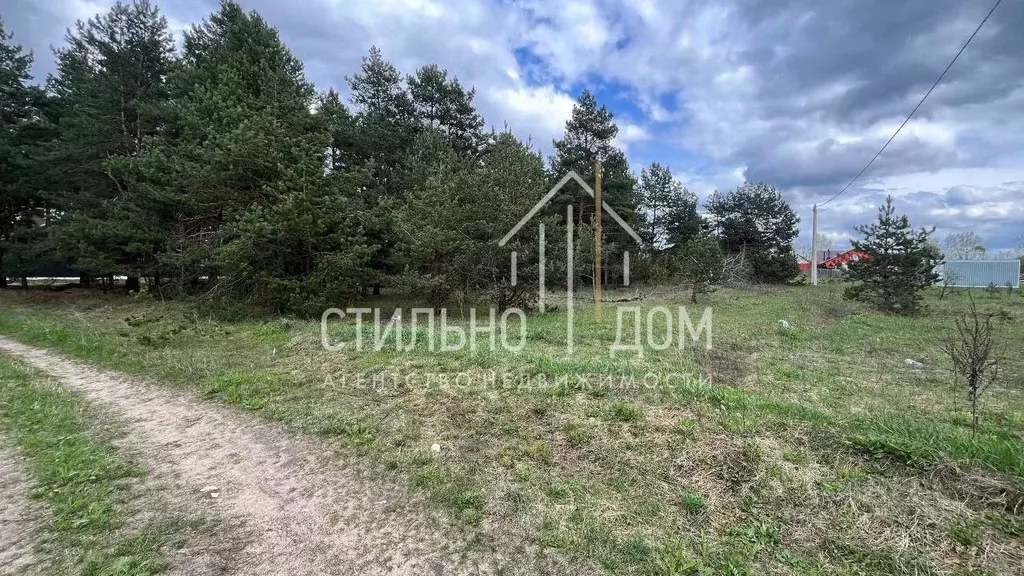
<point x="796" y="93"/>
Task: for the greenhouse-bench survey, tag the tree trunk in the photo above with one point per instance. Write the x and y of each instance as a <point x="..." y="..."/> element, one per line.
<point x="132" y="284"/>
<point x="24" y="282"/>
<point x="3" y="275"/>
<point x="376" y="289"/>
<point x="84" y="280"/>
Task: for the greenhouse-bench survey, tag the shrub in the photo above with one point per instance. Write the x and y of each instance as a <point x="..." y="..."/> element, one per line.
<point x="971" y="349"/>
<point x="701" y="265"/>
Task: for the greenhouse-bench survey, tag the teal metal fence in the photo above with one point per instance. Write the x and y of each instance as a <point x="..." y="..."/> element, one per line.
<point x="981" y="273"/>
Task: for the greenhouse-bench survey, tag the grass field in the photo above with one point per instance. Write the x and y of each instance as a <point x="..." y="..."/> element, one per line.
<point x="85" y="484"/>
<point x="808" y="450"/>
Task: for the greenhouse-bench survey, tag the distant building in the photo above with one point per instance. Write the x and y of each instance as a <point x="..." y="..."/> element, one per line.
<point x="835" y="259"/>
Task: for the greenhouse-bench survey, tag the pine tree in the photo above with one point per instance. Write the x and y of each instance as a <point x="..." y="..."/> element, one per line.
<point x="513" y="180"/>
<point x="458" y="207"/>
<point x="589" y="134"/>
<point x="386" y="119"/>
<point x="20" y="117"/>
<point x="437" y="228"/>
<point x="754" y="220"/>
<point x="111" y="86"/>
<point x="682" y="221"/>
<point x="305" y="250"/>
<point x="671" y="209"/>
<point x="386" y="128"/>
<point x="656" y="189"/>
<point x="442" y="104"/>
<point x="237" y="183"/>
<point x="700" y="264"/>
<point x="899" y="263"/>
<point x="342" y="131"/>
<point x="289" y="232"/>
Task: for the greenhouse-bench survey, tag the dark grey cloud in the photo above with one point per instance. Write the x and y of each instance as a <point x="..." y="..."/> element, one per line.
<point x="874" y="60"/>
<point x="890" y="53"/>
<point x="828" y="162"/>
<point x="824" y="84"/>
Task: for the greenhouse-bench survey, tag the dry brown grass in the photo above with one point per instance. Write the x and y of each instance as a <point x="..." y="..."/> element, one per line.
<point x="614" y="479"/>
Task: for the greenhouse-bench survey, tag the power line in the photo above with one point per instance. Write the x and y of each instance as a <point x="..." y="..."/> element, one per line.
<point x="912" y="112"/>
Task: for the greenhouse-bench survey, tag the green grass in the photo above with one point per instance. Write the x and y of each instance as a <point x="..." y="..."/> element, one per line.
<point x="622" y="412"/>
<point x="82" y="480"/>
<point x="804" y="445"/>
<point x="694" y="503"/>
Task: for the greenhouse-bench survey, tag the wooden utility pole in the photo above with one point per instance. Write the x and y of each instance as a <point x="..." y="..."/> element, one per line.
<point x="814" y="246"/>
<point x="598" y="212"/>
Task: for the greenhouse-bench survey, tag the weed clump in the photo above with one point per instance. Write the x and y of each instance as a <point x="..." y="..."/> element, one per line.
<point x="622" y="412"/>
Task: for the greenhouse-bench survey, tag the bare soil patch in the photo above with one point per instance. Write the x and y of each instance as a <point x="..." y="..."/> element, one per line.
<point x="20" y="518"/>
<point x="282" y="505"/>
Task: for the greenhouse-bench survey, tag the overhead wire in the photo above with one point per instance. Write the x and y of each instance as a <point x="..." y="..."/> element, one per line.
<point x="914" y="111"/>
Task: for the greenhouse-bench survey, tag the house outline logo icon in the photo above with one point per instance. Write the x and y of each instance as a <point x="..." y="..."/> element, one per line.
<point x="569" y="277"/>
<point x="572" y="175"/>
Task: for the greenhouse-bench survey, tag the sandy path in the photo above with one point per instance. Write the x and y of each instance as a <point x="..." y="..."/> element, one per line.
<point x="280" y="506"/>
<point x="20" y="517"/>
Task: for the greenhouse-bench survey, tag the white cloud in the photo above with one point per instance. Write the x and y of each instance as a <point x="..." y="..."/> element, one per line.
<point x="474" y="39"/>
<point x="570" y="36"/>
<point x="630" y="133"/>
<point x="538" y="113"/>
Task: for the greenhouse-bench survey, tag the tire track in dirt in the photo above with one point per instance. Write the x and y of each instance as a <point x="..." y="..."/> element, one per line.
<point x="281" y="507"/>
<point x="21" y="519"/>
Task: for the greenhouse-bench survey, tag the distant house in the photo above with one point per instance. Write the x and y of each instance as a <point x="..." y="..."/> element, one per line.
<point x="835" y="259"/>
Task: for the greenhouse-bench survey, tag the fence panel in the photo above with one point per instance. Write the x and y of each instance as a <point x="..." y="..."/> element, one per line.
<point x="981" y="273"/>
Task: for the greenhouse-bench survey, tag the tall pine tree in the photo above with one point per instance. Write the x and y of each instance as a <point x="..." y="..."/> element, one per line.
<point x="458" y="207"/>
<point x="22" y="129"/>
<point x="237" y="183"/>
<point x="670" y="209"/>
<point x="386" y="120"/>
<point x="442" y="104"/>
<point x="386" y="128"/>
<point x="342" y="131"/>
<point x="111" y="85"/>
<point x="589" y="134"/>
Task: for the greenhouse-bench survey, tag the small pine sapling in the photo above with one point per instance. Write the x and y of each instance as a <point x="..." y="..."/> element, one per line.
<point x="971" y="348"/>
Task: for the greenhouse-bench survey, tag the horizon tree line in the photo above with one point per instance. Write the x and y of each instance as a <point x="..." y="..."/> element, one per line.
<point x="219" y="169"/>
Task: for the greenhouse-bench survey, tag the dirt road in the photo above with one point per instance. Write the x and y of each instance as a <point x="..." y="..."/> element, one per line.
<point x="281" y="505"/>
<point x="20" y="518"/>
